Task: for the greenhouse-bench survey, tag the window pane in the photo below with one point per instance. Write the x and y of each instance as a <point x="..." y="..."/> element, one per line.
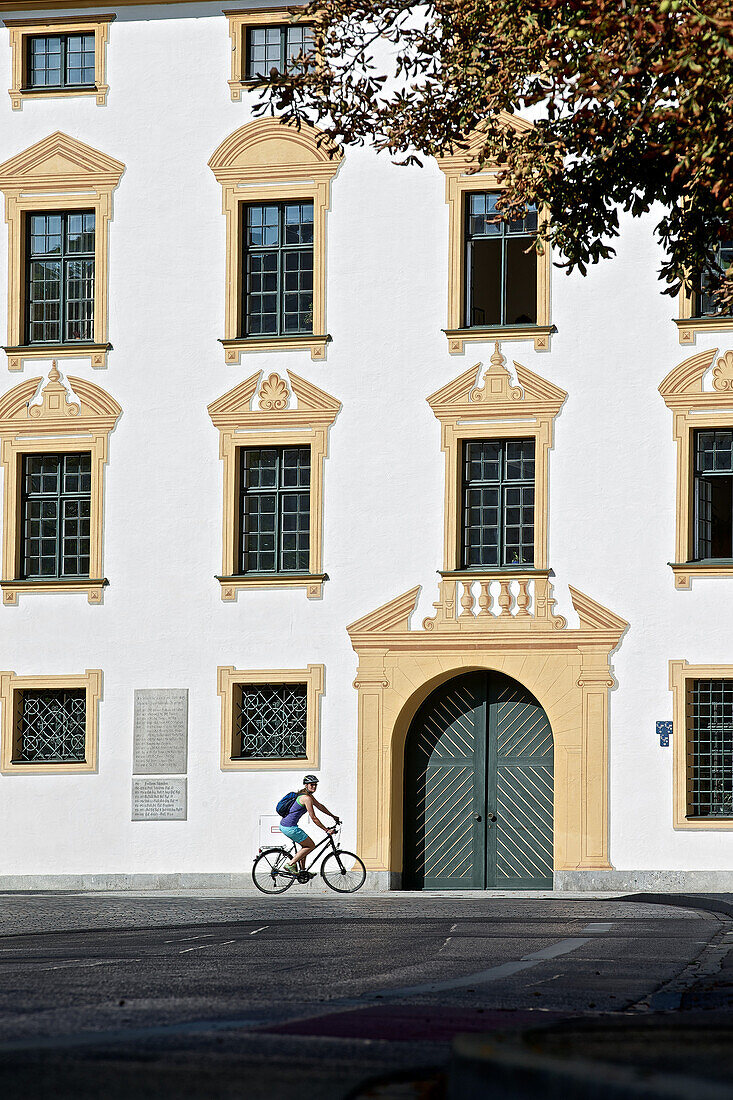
<point x="51" y="727"/>
<point x="80" y="59"/>
<point x="56" y="510"/>
<point x="521" y="283"/>
<point x="710" y="748"/>
<point x="485" y="283"/>
<point x="45" y="61"/>
<point x="498" y="503"/>
<point x="278" y="273"/>
<point x="275" y="510"/>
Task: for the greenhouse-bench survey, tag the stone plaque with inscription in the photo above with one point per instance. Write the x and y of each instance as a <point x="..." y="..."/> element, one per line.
<point x="159" y="799"/>
<point x="160" y="733"/>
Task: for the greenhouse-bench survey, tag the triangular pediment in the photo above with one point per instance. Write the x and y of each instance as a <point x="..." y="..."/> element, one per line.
<point x="60" y="160"/>
<point x="594" y="616"/>
<point x="274" y="403"/>
<point x="394" y="615"/>
<point x="468" y="394"/>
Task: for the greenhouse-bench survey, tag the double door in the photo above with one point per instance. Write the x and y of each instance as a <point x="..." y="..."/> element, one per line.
<point x="479" y="788"/>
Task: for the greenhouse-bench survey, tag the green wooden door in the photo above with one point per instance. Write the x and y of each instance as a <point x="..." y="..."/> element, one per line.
<point x="478" y="788"/>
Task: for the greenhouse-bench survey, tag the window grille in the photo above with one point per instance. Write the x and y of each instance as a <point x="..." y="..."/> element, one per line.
<point x="276" y="48"/>
<point x="56" y="504"/>
<point x="278" y="275"/>
<point x="60" y="61"/>
<point x="710" y="748"/>
<point x="705" y="301"/>
<point x="498" y="503"/>
<point x="270" y="721"/>
<point x="713" y="474"/>
<point x="501" y="265"/>
<point x="275" y="509"/>
<point x="50" y="727"/>
<point x="60" y="303"/>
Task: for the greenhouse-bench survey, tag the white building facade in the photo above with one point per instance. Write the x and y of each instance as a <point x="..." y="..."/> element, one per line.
<point x="309" y="445"/>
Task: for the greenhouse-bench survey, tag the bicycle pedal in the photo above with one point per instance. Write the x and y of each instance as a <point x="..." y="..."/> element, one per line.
<point x="305" y="877"/>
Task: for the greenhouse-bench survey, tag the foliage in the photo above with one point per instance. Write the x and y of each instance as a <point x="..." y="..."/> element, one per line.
<point x="632" y="104"/>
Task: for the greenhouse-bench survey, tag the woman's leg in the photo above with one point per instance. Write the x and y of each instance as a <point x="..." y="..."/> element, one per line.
<point x="300" y="856"/>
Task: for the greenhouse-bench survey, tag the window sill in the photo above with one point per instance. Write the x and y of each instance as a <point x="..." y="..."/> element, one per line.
<point x="99" y="92"/>
<point x="96" y="353"/>
<point x="724" y="823"/>
<point x="312" y="582"/>
<point x="458" y="337"/>
<point x="43" y="767"/>
<point x="689" y="327"/>
<point x="316" y="344"/>
<point x="685" y="571"/>
<point x="496" y="571"/>
<point x="292" y="764"/>
<point x="94" y="588"/>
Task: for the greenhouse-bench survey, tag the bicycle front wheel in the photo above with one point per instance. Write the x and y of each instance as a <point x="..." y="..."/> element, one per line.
<point x="268" y="874"/>
<point x="343" y="872"/>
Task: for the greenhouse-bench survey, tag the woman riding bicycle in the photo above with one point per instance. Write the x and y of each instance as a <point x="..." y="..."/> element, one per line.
<point x="305" y="802"/>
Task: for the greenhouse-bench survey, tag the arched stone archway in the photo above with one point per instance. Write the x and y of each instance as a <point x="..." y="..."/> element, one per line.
<point x="567" y="670"/>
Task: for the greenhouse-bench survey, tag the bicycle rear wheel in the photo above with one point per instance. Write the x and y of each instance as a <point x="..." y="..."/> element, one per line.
<point x="343" y="872"/>
<point x="268" y="874"/>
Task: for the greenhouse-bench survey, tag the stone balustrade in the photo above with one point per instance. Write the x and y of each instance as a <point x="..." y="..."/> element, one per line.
<point x="514" y="600"/>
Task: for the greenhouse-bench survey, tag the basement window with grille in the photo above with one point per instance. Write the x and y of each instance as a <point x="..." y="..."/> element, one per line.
<point x="50" y="727"/>
<point x="270" y="722"/>
<point x="710" y="748"/>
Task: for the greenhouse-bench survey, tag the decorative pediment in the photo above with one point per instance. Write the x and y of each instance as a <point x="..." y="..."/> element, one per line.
<point x="468" y="396"/>
<point x="274" y="404"/>
<point x="60" y="161"/>
<point x="58" y="408"/>
<point x="394" y="615"/>
<point x="269" y="148"/>
<point x="466" y="156"/>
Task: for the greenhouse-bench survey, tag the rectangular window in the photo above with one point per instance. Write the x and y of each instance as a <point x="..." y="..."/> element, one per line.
<point x="270" y="722"/>
<point x="60" y="61"/>
<point x="710" y="748"/>
<point x="713" y="474"/>
<point x="275" y="47"/>
<point x="50" y="727"/>
<point x="60" y="266"/>
<point x="498" y="503"/>
<point x="275" y="509"/>
<point x="501" y="265"/>
<point x="704" y="300"/>
<point x="56" y="504"/>
<point x="278" y="272"/>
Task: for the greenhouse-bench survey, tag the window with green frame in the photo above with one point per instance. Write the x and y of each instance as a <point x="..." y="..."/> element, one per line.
<point x="274" y="510"/>
<point x="713" y="484"/>
<point x="710" y="748"/>
<point x="278" y="269"/>
<point x="276" y="47"/>
<point x="60" y="282"/>
<point x="55" y="515"/>
<point x="501" y="265"/>
<point x="60" y="61"/>
<point x="704" y="300"/>
<point x="498" y="503"/>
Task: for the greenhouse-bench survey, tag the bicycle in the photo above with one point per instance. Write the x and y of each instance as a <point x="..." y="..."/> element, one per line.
<point x="343" y="871"/>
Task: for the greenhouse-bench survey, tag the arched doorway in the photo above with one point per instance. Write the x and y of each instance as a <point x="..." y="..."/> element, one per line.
<point x="478" y="797"/>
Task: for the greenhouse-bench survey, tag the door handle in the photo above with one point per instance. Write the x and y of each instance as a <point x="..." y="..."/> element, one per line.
<point x="492" y="816"/>
<point x="477" y="817"/>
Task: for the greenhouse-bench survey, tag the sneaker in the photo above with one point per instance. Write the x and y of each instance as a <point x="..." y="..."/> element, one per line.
<point x="290" y="868"/>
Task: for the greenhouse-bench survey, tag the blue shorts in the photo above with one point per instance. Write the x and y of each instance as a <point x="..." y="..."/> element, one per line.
<point x="294" y="832"/>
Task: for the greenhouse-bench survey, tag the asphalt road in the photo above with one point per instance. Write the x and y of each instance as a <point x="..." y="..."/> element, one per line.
<point x="220" y="996"/>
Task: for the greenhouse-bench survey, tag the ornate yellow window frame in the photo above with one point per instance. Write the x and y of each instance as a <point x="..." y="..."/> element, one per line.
<point x="688" y="326"/>
<point x="680" y="674"/>
<point x="268" y="161"/>
<point x="693" y="408"/>
<point x="21" y="29"/>
<point x="227" y="677"/>
<point x="59" y="423"/>
<point x="495" y="409"/>
<point x="567" y="670"/>
<point x="11" y="685"/>
<point x="57" y="173"/>
<point x="273" y="423"/>
<point x="462" y="177"/>
<point x="239" y="24"/>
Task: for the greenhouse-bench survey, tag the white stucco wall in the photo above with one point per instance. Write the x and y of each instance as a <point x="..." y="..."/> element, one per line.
<point x="163" y="624"/>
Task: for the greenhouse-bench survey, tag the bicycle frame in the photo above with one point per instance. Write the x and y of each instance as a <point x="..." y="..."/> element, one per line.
<point x="328" y="839"/>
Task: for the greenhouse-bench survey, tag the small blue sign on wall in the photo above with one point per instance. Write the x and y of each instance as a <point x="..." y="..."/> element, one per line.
<point x="664" y="731"/>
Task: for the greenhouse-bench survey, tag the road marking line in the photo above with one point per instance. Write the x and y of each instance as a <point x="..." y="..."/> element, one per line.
<point x="493" y="974"/>
<point x="264" y="926"/>
<point x="599" y="926"/>
<point x="203" y="946"/>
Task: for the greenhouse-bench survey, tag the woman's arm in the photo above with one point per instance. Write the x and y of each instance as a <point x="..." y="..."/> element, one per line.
<point x="326" y="810"/>
<point x="308" y="802"/>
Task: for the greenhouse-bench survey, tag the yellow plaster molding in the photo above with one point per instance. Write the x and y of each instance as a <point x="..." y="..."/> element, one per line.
<point x="10" y="685"/>
<point x="464" y="173"/>
<point x="19" y="31"/>
<point x="57" y="173"/>
<point x="228" y="678"/>
<point x="239" y="24"/>
<point x="59" y="422"/>
<point x="694" y="408"/>
<point x="680" y="676"/>
<point x="273" y="423"/>
<point x="566" y="669"/>
<point x="495" y="409"/>
<point x="263" y="161"/>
